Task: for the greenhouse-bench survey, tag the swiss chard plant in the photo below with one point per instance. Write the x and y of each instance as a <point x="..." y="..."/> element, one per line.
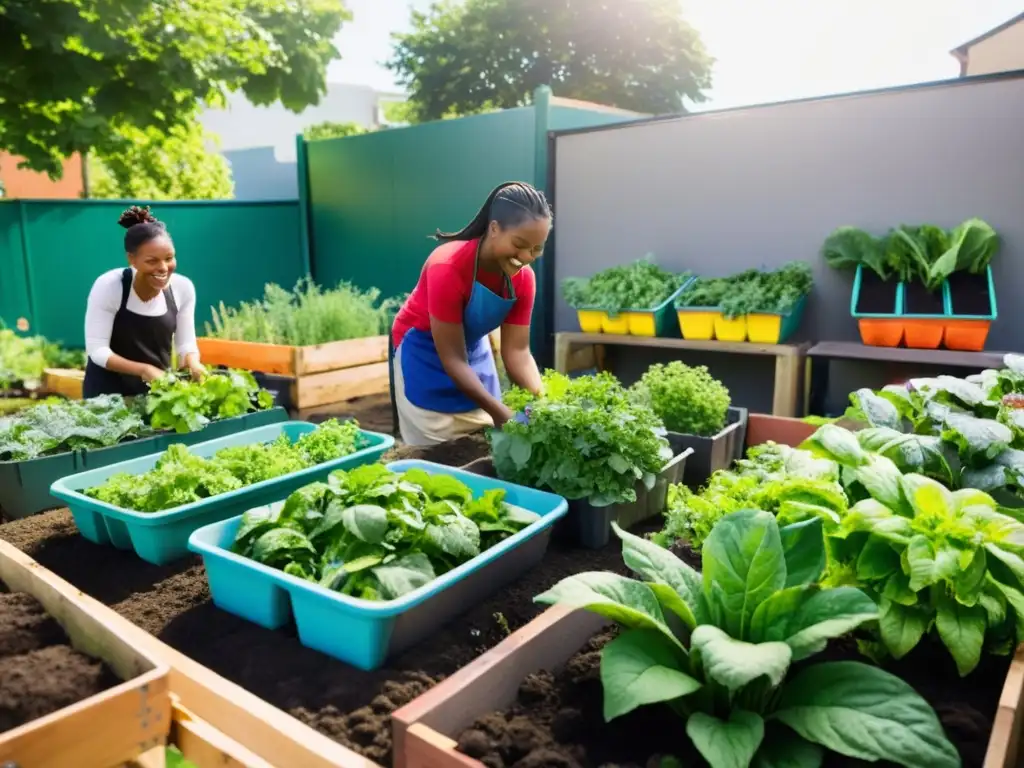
<point x="688" y="399"/>
<point x="181" y="477"/>
<point x="847" y="248"/>
<point x="584" y="438"/>
<point x="178" y="403"/>
<point x="374" y="534"/>
<point x="640" y="285"/>
<point x="720" y="647"/>
<point x="936" y="560"/>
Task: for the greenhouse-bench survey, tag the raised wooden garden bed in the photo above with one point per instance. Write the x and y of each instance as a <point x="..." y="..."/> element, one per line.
<point x="210" y="719"/>
<point x="114" y="726"/>
<point x="315" y="375"/>
<point x="64" y="381"/>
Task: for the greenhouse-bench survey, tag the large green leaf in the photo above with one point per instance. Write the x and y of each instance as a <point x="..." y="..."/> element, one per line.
<point x="930" y="563"/>
<point x="639" y="667"/>
<point x="808" y="623"/>
<point x="782" y="748"/>
<point x="881" y="479"/>
<point x="962" y="630"/>
<point x="976" y="439"/>
<point x="734" y="663"/>
<point x="730" y="744"/>
<point x="743" y="565"/>
<point x="878" y="560"/>
<point x="870" y="516"/>
<point x="866" y="713"/>
<point x="902" y="626"/>
<point x="879" y="411"/>
<point x="836" y="443"/>
<point x="803" y="546"/>
<point x="626" y="601"/>
<point x="659" y="565"/>
<point x="927" y="497"/>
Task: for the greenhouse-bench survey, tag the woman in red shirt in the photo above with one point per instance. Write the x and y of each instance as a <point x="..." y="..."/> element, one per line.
<point x="444" y="379"/>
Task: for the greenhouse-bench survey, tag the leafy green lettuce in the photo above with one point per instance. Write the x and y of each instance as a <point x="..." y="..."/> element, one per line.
<point x="51" y="428"/>
<point x="640" y="285"/>
<point x="375" y="534"/>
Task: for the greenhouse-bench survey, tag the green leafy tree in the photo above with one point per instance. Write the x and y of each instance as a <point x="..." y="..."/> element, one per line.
<point x="329" y="129"/>
<point x="152" y="165"/>
<point x="480" y="54"/>
<point x="77" y="72"/>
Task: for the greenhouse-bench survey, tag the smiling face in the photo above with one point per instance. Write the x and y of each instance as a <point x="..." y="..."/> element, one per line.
<point x="514" y="248"/>
<point x="154" y="261"/>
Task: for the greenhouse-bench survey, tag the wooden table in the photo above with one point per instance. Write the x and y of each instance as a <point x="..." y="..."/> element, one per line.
<point x="821" y="354"/>
<point x="574" y="350"/>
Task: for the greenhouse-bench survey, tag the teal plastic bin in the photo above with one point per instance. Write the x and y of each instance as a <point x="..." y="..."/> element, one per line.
<point x="162" y="537"/>
<point x="366" y="633"/>
<point x="25" y="485"/>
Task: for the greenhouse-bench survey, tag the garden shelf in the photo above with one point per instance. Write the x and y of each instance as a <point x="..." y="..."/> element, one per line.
<point x="366" y="633"/>
<point x="25" y="485"/>
<point x="213" y="721"/>
<point x="591" y="527"/>
<point x="109" y="728"/>
<point x="311" y="376"/>
<point x="162" y="537"/>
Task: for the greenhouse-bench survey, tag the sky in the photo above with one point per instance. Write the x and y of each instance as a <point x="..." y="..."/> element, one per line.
<point x="765" y="50"/>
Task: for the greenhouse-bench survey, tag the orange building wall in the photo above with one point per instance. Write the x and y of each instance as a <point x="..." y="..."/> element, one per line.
<point x="20" y="182"/>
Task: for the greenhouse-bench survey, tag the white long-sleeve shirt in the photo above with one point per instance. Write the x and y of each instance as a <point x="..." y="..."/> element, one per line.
<point x="105" y="300"/>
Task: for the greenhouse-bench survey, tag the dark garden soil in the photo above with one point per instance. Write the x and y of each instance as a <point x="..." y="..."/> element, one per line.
<point x="372" y="412"/>
<point x="876" y="297"/>
<point x="969" y="294"/>
<point x="40" y="671"/>
<point x="454" y="453"/>
<point x="348" y="705"/>
<point x="557" y="721"/>
<point x="918" y="300"/>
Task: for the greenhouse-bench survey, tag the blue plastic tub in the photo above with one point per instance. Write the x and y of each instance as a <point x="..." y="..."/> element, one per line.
<point x="162" y="537"/>
<point x="361" y="632"/>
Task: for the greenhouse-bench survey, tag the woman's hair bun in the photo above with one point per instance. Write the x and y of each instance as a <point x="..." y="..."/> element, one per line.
<point x="136" y="215"/>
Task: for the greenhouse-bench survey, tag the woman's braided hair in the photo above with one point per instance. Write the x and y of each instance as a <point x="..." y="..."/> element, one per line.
<point x="509" y="204"/>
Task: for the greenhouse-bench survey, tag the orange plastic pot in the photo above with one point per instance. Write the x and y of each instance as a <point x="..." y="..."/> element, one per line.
<point x="967" y="335"/>
<point x="923" y="334"/>
<point x="881" y="333"/>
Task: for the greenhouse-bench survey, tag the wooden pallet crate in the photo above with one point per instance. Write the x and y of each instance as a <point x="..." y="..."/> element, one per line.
<point x="105" y="729"/>
<point x="320" y="374"/>
<point x="213" y="721"/>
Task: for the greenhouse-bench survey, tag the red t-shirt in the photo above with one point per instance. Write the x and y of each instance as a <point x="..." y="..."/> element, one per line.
<point x="444" y="287"/>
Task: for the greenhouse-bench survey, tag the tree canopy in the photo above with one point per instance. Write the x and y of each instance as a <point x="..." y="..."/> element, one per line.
<point x="328" y="129"/>
<point x="78" y="73"/>
<point x="632" y="54"/>
<point x="180" y="165"/>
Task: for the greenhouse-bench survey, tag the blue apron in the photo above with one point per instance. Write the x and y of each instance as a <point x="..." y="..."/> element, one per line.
<point x="427" y="385"/>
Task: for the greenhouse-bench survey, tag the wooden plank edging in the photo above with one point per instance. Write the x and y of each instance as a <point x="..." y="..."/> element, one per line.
<point x="296" y="362"/>
<point x="1004" y="742"/>
<point x="422" y="731"/>
<point x="266" y="731"/>
<point x="107" y="728"/>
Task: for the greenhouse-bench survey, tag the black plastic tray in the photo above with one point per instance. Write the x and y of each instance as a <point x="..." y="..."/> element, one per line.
<point x="712" y="453"/>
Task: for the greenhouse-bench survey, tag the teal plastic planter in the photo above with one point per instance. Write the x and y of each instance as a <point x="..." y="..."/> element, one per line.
<point x="162" y="537"/>
<point x="364" y="633"/>
<point x="858" y="287"/>
<point x="658" y="321"/>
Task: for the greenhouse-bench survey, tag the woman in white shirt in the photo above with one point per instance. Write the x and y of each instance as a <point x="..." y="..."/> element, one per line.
<point x="135" y="314"/>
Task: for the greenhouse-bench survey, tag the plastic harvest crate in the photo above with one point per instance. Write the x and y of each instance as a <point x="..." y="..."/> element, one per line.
<point x="655" y="321"/>
<point x="361" y="632"/>
<point x="162" y="537"/>
<point x="25" y="485"/>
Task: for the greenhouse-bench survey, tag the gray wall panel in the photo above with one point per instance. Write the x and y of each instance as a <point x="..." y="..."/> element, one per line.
<point x="721" y="192"/>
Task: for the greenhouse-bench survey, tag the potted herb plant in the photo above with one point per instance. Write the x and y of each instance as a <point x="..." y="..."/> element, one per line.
<point x="627" y="299"/>
<point x="696" y="411"/>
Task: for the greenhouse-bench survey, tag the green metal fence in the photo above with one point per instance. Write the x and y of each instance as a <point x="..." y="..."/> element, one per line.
<point x="373" y="200"/>
<point x="51" y="251"/>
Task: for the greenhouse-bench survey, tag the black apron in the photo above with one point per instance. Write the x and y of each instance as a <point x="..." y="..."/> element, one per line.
<point x="138" y="338"/>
